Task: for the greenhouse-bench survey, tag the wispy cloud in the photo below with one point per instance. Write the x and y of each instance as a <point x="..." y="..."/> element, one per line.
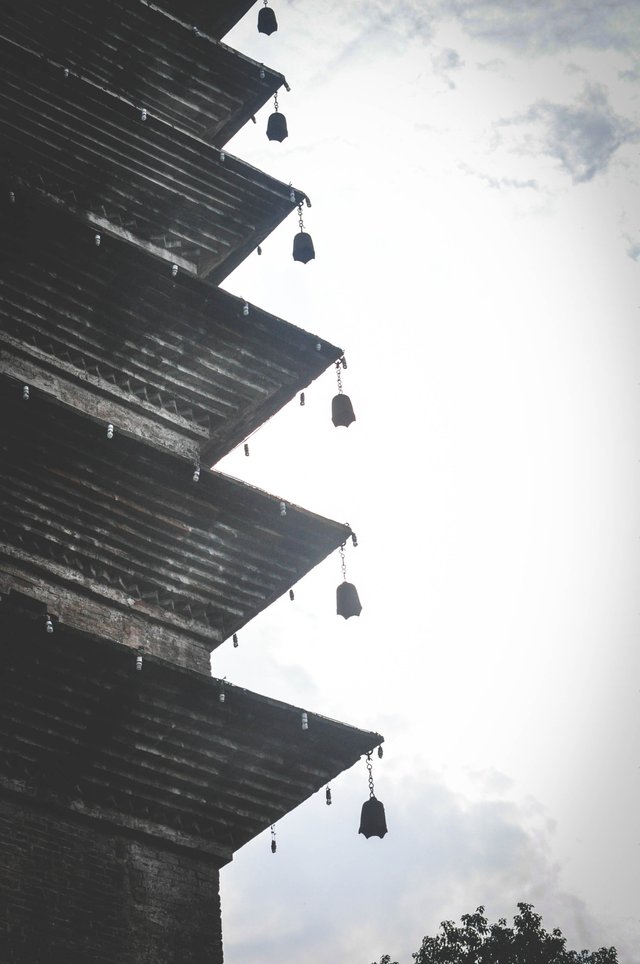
<point x="445" y="62"/>
<point x="501" y="183"/>
<point x="549" y="25"/>
<point x="633" y="250"/>
<point x="582" y="136"/>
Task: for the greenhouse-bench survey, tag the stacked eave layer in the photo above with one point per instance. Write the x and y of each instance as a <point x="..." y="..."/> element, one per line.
<point x="137" y="52"/>
<point x="135" y="547"/>
<point x="76" y="146"/>
<point x="110" y="331"/>
<point x="154" y="751"/>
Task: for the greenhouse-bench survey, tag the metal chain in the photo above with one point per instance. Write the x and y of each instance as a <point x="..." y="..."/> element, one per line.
<point x="275" y="101"/>
<point x="370" y="769"/>
<point x="339" y="374"/>
<point x="300" y="221"/>
<point x="343" y="564"/>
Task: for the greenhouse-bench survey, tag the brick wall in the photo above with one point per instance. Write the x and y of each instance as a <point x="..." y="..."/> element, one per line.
<point x="78" y="893"/>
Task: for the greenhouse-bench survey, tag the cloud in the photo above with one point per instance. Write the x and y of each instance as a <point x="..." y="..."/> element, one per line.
<point x="501" y="183"/>
<point x="445" y="62"/>
<point x="634" y="250"/>
<point x="331" y="895"/>
<point x="549" y="25"/>
<point x="582" y="136"/>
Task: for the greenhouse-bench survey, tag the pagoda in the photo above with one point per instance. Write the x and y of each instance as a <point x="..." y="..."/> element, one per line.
<point x="129" y="776"/>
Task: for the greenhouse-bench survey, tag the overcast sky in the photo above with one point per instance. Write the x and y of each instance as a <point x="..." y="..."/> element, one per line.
<point x="473" y="169"/>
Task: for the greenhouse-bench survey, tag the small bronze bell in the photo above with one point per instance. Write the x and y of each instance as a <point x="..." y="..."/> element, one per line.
<point x="303" y="247"/>
<point x="342" y="411"/>
<point x="372" y="819"/>
<point x="277" y="127"/>
<point x="267" y="22"/>
<point x="347" y="600"/>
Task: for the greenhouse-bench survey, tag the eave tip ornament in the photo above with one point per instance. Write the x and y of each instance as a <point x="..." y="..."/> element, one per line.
<point x="267" y="22"/>
<point x="347" y="599"/>
<point x="373" y="822"/>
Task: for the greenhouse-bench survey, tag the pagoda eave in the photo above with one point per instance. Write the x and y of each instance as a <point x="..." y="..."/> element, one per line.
<point x="143" y="56"/>
<point x="129" y="527"/>
<point x="154" y="750"/>
<point x="77" y="147"/>
<point x="112" y="332"/>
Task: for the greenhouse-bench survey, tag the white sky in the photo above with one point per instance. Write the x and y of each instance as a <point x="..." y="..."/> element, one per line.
<point x="474" y="178"/>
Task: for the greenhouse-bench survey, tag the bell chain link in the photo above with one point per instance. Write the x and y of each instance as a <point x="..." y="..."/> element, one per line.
<point x="343" y="564"/>
<point x="339" y="375"/>
<point x="300" y="221"/>
<point x="370" y="769"/>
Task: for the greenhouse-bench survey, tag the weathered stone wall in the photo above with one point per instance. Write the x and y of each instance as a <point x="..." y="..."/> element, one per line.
<point x="79" y="893"/>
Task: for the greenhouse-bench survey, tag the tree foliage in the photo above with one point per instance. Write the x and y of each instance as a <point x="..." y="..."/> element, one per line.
<point x="475" y="941"/>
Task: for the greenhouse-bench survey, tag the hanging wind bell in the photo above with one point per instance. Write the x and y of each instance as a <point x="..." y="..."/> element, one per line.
<point x="267" y="22"/>
<point x="341" y="408"/>
<point x="303" y="249"/>
<point x="347" y="599"/>
<point x="277" y="123"/>
<point x="372" y="819"/>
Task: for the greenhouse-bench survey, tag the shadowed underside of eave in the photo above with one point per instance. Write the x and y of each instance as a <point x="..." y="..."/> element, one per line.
<point x="79" y="148"/>
<point x="140" y="54"/>
<point x="128" y="527"/>
<point x="216" y="17"/>
<point x="107" y="329"/>
<point x="155" y="750"/>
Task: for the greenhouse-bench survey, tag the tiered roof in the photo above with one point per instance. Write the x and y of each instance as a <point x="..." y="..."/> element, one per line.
<point x="119" y="216"/>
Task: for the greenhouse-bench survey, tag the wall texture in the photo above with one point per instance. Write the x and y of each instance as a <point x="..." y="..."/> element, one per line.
<point x="75" y="893"/>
